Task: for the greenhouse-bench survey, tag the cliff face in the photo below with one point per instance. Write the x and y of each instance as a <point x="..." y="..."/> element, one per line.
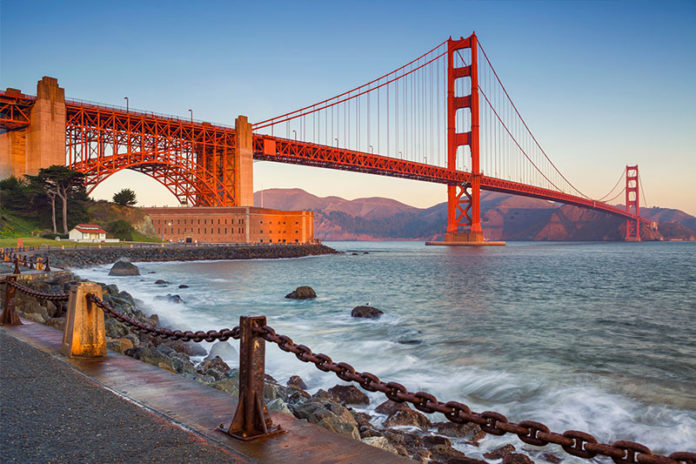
<point x="103" y="212"/>
<point x="504" y="217"/>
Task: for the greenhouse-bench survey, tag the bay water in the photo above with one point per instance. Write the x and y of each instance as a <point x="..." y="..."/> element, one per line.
<point x="597" y="337"/>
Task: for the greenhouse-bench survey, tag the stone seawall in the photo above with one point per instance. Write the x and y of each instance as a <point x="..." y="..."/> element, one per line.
<point x="88" y="256"/>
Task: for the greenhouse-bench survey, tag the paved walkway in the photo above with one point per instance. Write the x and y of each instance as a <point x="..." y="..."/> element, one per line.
<point x="55" y="409"/>
<point x="51" y="413"/>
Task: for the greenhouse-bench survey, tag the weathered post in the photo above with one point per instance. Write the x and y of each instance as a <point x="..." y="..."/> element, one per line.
<point x="84" y="334"/>
<point x="47" y="268"/>
<point x="16" y="269"/>
<point x="251" y="420"/>
<point x="8" y="316"/>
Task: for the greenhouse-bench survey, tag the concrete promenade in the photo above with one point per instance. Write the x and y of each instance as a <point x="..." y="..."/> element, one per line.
<point x="121" y="410"/>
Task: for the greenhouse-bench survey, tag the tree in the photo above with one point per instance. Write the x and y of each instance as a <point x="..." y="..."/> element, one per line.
<point x="62" y="182"/>
<point x="125" y="197"/>
<point x="121" y="229"/>
<point x="15" y="194"/>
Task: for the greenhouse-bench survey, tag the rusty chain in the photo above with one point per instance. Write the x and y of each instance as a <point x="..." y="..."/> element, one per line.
<point x="37" y="294"/>
<point x="188" y="335"/>
<point x="573" y="442"/>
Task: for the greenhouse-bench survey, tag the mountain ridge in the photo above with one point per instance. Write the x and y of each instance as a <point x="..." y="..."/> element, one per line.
<point x="504" y="217"/>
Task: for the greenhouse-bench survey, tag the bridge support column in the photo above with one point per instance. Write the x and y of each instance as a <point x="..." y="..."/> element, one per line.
<point x="46" y="137"/>
<point x="463" y="201"/>
<point x="244" y="163"/>
<point x="42" y="144"/>
<point x="632" y="204"/>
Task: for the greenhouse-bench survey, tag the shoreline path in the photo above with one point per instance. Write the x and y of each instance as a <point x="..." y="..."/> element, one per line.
<point x="54" y="414"/>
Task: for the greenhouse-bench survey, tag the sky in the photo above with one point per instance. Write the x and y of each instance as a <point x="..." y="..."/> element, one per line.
<point x="602" y="84"/>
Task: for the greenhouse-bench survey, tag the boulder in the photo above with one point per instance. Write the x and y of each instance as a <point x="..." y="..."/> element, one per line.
<point x="362" y="418"/>
<point x="229" y="385"/>
<point x="450" y="455"/>
<point x="302" y="293"/>
<point x="124" y="268"/>
<point x="379" y="442"/>
<point x="119" y="345"/>
<point x="349" y="394"/>
<point x="389" y="407"/>
<point x="161" y="282"/>
<point x="367" y="312"/>
<point x="279" y="405"/>
<point x="499" y="453"/>
<point x="334" y="424"/>
<point x="312" y="411"/>
<point x="297" y="382"/>
<point x="323" y="395"/>
<point x="170" y="298"/>
<point x="183" y="286"/>
<point x="408" y="417"/>
<point x="189" y="348"/>
<point x="434" y="440"/>
<point x="223" y="350"/>
<point x="517" y="458"/>
<point x="406" y="443"/>
<point x="213" y="364"/>
<point x="471" y="432"/>
<point x="368" y="431"/>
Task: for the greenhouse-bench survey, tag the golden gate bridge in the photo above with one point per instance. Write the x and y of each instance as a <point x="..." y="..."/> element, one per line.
<point x="445" y="117"/>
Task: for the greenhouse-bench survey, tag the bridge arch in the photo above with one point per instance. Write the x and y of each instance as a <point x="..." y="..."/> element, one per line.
<point x="188" y="183"/>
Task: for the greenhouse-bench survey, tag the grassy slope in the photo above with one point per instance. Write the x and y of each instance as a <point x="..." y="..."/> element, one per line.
<point x="13" y="226"/>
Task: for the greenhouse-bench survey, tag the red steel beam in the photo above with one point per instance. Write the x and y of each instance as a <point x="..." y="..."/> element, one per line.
<point x="102" y="140"/>
<point x="270" y="148"/>
<point x="15" y="108"/>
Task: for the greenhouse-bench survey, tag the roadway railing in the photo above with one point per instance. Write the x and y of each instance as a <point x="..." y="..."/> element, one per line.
<point x="251" y="419"/>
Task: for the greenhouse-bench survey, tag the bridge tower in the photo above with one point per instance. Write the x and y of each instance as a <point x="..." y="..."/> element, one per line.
<point x="463" y="200"/>
<point x="632" y="204"/>
<point x="41" y="142"/>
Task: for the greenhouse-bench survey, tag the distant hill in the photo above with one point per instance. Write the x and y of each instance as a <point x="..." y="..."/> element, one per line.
<point x="505" y="217"/>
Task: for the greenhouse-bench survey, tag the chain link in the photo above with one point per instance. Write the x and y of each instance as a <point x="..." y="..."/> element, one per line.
<point x="37" y="294"/>
<point x="573" y="442"/>
<point x="188" y="335"/>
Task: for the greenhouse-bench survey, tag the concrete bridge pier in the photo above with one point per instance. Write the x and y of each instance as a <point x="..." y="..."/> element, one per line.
<point x="244" y="163"/>
<point x="42" y="143"/>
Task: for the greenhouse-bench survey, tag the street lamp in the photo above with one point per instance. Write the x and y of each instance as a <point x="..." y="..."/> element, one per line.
<point x="126" y="98"/>
<point x="294" y="133"/>
<point x="191" y="111"/>
<point x="336" y="139"/>
<point x="372" y="149"/>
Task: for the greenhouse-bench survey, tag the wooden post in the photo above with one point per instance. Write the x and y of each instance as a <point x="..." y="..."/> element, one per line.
<point x="84" y="334"/>
<point x="8" y="316"/>
<point x="251" y="419"/>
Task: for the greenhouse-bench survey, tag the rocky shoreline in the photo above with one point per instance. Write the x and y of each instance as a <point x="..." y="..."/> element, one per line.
<point x="89" y="256"/>
<point x="395" y="427"/>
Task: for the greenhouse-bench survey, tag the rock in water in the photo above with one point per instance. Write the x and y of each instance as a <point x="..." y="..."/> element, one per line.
<point x="171" y="298"/>
<point x="366" y="311"/>
<point x="224" y="350"/>
<point x="124" y="268"/>
<point x="302" y="293"/>
<point x="349" y="394"/>
<point x="297" y="382"/>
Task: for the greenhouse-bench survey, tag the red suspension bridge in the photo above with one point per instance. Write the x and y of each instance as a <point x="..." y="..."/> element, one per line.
<point x="445" y="117"/>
